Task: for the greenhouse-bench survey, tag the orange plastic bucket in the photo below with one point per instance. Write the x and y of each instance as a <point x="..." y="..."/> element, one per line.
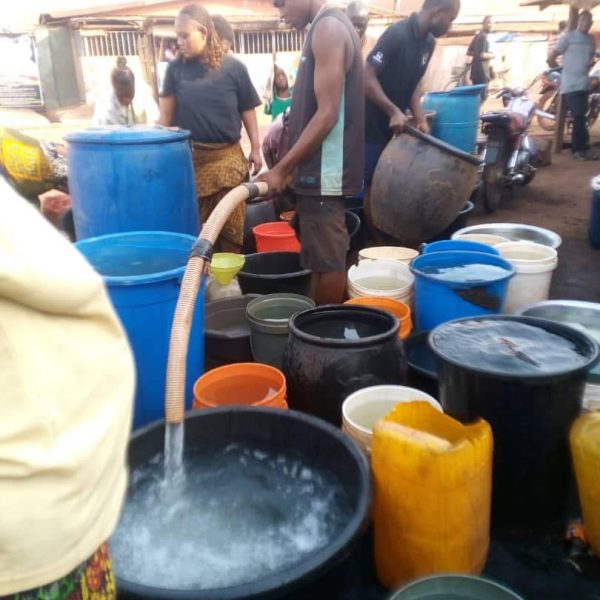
<point x="252" y="384"/>
<point x="276" y="237"/>
<point x="400" y="310"/>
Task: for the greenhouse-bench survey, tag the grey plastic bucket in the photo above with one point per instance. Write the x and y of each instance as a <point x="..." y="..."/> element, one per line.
<point x="269" y="317"/>
<point x="454" y="587"/>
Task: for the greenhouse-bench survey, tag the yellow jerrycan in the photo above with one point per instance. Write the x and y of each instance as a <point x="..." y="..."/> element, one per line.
<point x="432" y="501"/>
<point x="585" y="448"/>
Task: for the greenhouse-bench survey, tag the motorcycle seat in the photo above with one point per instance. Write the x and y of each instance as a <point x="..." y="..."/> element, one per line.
<point x="513" y="120"/>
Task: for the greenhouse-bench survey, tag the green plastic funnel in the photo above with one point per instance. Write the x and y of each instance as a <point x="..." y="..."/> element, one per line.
<point x="224" y="266"/>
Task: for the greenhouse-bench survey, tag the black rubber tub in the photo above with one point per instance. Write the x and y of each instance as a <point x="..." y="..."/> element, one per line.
<point x="227" y="332"/>
<point x="274" y="273"/>
<point x="320" y="443"/>
<point x="529" y="402"/>
<point x="422" y="367"/>
<point x="335" y="350"/>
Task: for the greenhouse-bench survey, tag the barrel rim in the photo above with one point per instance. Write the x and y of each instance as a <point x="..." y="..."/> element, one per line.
<point x="391" y="334"/>
<point x="492" y="259"/>
<point x="132" y="135"/>
<point x="131" y="280"/>
<point x="550" y="326"/>
<point x="271" y="276"/>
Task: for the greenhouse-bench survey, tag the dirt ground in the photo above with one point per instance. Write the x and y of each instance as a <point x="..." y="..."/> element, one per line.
<point x="559" y="198"/>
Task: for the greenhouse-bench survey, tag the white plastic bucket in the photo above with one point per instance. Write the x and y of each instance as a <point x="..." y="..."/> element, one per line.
<point x="362" y="409"/>
<point x="390" y="270"/>
<point x="535" y="264"/>
<point x="483" y="238"/>
<point x="399" y="253"/>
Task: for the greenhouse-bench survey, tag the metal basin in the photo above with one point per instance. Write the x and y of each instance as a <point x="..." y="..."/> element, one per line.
<point x="515" y="232"/>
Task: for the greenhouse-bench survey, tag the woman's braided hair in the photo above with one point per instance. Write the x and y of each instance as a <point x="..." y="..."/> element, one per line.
<point x="214" y="49"/>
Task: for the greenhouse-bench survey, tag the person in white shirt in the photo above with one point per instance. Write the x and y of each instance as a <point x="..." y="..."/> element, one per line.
<point x="123" y="106"/>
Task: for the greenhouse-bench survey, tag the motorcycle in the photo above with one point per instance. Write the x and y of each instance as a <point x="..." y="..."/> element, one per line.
<point x="507" y="156"/>
<point x="547" y="103"/>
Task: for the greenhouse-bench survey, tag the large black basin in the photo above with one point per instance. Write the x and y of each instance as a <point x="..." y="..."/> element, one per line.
<point x="273" y="273"/>
<point x="321" y="444"/>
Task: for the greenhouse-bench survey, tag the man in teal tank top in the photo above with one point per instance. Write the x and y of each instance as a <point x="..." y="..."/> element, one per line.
<point x="326" y="139"/>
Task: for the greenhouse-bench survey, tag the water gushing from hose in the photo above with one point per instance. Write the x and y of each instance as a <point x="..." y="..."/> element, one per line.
<point x="182" y="322"/>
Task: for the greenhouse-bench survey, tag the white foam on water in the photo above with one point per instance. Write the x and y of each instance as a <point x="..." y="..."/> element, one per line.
<point x="238" y="515"/>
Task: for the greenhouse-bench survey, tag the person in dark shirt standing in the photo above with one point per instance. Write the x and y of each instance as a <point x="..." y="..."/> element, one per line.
<point x="479" y="49"/>
<point x="210" y="94"/>
<point x="393" y="74"/>
<point x="326" y="133"/>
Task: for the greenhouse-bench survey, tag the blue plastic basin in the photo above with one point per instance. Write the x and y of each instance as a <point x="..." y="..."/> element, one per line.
<point x="438" y="301"/>
<point x="458" y="245"/>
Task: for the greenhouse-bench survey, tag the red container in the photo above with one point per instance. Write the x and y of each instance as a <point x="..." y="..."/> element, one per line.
<point x="276" y="237"/>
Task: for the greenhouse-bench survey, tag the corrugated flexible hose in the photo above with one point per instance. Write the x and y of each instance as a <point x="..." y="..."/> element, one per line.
<point x="192" y="280"/>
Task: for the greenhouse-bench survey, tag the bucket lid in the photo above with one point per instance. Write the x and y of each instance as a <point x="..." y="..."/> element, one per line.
<point x="514" y="347"/>
<point x="123" y="135"/>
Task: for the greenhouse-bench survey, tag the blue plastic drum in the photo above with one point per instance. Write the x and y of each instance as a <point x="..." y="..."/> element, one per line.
<point x="143" y="273"/>
<point x="136" y="178"/>
<point x="456" y="115"/>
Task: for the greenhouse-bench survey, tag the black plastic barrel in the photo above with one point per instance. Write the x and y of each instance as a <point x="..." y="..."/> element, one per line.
<point x="530" y="412"/>
<point x="274" y="273"/>
<point x="319" y="443"/>
<point x="335" y="350"/>
<point x="422" y="367"/>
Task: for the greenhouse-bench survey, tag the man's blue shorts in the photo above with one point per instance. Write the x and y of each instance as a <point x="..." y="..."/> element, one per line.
<point x="373" y="151"/>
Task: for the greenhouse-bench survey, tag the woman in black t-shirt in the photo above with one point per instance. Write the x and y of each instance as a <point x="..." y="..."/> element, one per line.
<point x="211" y="95"/>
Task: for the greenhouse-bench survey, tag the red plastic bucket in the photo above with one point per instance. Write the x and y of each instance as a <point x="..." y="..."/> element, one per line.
<point x="276" y="237"/>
